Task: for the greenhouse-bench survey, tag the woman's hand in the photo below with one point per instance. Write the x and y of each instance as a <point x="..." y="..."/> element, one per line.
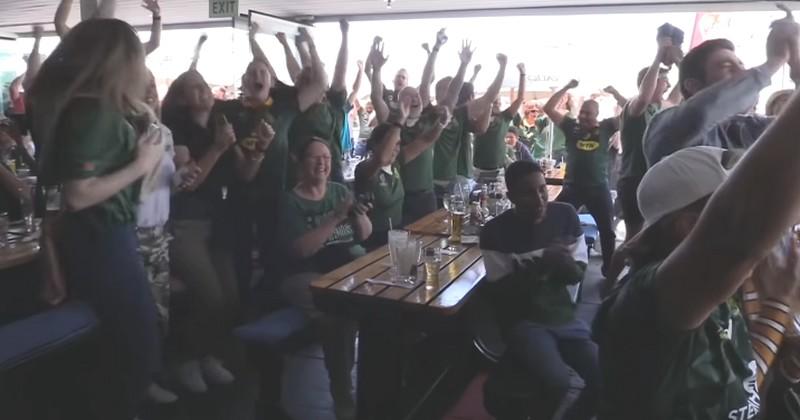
<point x="188" y="176"/>
<point x="342" y="211"/>
<point x="152" y="6"/>
<point x="149" y="151"/>
<point x="264" y="136"/>
<point x="224" y="137"/>
<point x="376" y="57"/>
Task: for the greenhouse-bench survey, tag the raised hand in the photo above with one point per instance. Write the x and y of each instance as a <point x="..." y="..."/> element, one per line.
<point x="426" y="47"/>
<point x="376" y="57"/>
<point x="344" y="25"/>
<point x="521" y="68"/>
<point x="254" y="27"/>
<point x="304" y="35"/>
<point x="572" y="84"/>
<point x="281" y="38"/>
<point x="610" y="89"/>
<point x="502" y="59"/>
<point x="152" y="6"/>
<point x="441" y="37"/>
<point x="466" y="51"/>
<point x="37" y="31"/>
<point x="360" y="65"/>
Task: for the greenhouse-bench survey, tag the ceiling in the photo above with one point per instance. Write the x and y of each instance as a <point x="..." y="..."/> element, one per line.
<point x="19" y="14"/>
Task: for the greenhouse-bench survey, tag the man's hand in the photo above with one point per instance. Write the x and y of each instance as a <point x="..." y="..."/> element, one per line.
<point x="441" y="38"/>
<point x="610" y="90"/>
<point x="254" y="30"/>
<point x="557" y="253"/>
<point x="502" y="59"/>
<point x="443" y="116"/>
<point x="426" y="47"/>
<point x="521" y="68"/>
<point x="376" y="57"/>
<point x="360" y="65"/>
<point x="782" y="40"/>
<point x="187" y="176"/>
<point x="281" y="38"/>
<point x="466" y="52"/>
<point x="572" y="84"/>
<point x="38" y="30"/>
<point x="152" y="6"/>
<point x="344" y="25"/>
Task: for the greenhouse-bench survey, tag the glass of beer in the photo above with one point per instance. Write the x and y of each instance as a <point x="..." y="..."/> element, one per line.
<point x="458" y="212"/>
<point x="433" y="263"/>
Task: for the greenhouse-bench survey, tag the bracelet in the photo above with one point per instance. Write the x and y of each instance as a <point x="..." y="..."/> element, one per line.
<point x="156" y="17"/>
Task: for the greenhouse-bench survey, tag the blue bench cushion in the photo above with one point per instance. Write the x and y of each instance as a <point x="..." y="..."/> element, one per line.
<point x="589" y="226"/>
<point x="273" y="328"/>
<point x="32" y="337"/>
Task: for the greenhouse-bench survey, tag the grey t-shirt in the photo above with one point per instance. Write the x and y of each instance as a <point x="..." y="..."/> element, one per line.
<point x="716" y="116"/>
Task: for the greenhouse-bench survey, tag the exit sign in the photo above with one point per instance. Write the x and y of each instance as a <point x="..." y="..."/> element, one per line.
<point x="223" y="8"/>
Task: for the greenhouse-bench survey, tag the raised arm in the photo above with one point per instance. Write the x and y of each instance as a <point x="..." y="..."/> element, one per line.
<point x="551" y="107"/>
<point x="513" y="109"/>
<point x="196" y="58"/>
<point x="451" y="97"/>
<point x="155" y="28"/>
<point x="430" y="65"/>
<point x="475" y="71"/>
<point x="377" y="60"/>
<point x="34" y="60"/>
<point x="685" y="124"/>
<point x="258" y="53"/>
<point x="291" y="62"/>
<point x="60" y="19"/>
<point x="302" y="49"/>
<point x="480" y="110"/>
<point x="311" y="92"/>
<point x="621" y="100"/>
<point x="106" y="9"/>
<point x="356" y="84"/>
<point x="340" y="72"/>
<point x="650" y="81"/>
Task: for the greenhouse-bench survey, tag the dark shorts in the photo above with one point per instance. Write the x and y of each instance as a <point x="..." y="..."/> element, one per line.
<point x="626" y="189"/>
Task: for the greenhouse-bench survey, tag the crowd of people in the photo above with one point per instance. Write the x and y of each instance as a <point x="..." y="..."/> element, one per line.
<point x="183" y="192"/>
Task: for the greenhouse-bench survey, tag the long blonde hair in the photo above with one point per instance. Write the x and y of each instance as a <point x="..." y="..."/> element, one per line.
<point x="101" y="58"/>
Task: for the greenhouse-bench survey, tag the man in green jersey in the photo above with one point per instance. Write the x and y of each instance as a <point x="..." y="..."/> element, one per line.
<point x="586" y="179"/>
<point x="490" y="147"/>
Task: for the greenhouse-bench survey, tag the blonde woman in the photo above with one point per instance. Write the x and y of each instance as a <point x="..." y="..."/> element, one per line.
<point x="97" y="143"/>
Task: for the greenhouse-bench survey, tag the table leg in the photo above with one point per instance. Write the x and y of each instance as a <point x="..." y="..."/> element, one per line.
<point x="380" y="370"/>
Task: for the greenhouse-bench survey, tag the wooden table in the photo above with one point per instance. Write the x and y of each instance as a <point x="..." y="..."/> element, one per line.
<point x="385" y="313"/>
<point x="20" y="250"/>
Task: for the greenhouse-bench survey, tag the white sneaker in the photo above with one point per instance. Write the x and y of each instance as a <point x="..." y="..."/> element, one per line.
<point x="159" y="395"/>
<point x="214" y="372"/>
<point x="191" y="377"/>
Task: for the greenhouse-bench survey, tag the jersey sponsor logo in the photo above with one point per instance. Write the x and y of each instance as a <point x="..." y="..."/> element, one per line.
<point x="588" y="145"/>
<point x="753" y="406"/>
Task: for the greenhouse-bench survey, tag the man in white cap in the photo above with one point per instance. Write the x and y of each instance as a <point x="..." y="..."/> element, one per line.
<point x="673" y="340"/>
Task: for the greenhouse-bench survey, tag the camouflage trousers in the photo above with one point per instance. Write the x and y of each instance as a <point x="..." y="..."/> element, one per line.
<point x="154" y="250"/>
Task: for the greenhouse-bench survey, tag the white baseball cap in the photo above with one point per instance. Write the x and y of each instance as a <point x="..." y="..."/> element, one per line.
<point x="681" y="179"/>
